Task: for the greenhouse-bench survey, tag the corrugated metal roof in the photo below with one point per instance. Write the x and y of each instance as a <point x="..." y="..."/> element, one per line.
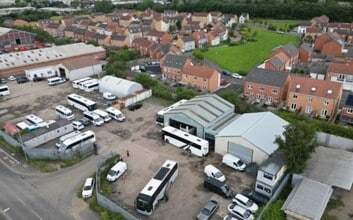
<point x="308" y="199"/>
<point x="259" y="128"/>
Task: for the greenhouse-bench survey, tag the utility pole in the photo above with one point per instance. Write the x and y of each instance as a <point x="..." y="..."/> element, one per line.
<point x="22" y="146"/>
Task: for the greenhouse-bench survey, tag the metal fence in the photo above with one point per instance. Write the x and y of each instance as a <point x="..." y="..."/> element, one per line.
<point x="84" y="150"/>
<point x="334" y="141"/>
<point x="101" y="199"/>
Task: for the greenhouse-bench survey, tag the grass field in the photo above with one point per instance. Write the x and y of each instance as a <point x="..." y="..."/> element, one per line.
<point x="243" y="57"/>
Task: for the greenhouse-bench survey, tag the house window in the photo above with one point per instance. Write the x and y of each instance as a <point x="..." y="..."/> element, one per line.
<point x="258" y="96"/>
<point x="195" y="78"/>
<point x="349" y="78"/>
<point x="326" y="102"/>
<point x="185" y="76"/>
<point x="295" y="96"/>
<point x="260" y="187"/>
<point x="310" y="99"/>
<point x="324" y="112"/>
<point x="267" y="190"/>
<point x="340" y="77"/>
<point x="250" y="87"/>
<point x="293" y="106"/>
<point x="262" y="89"/>
<point x="204" y="80"/>
<point x="274" y="91"/>
<point x="204" y="87"/>
<point x="350" y="110"/>
<point x="268" y="176"/>
<point x="308" y="109"/>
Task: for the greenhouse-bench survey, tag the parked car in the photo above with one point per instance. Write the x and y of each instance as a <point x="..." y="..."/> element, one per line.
<point x="38" y="78"/>
<point x="22" y="79"/>
<point x="245" y="202"/>
<point x="254" y="196"/>
<point x="251" y="169"/>
<point x="109" y="96"/>
<point x="218" y="187"/>
<point x="88" y="187"/>
<point x="230" y="217"/>
<point x="3" y="80"/>
<point x="78" y="125"/>
<point x="11" y="78"/>
<point x="237" y="76"/>
<point x="225" y="72"/>
<point x="208" y="210"/>
<point x="134" y="106"/>
<point x="212" y="171"/>
<point x="85" y="121"/>
<point x="240" y="212"/>
<point x="233" y="162"/>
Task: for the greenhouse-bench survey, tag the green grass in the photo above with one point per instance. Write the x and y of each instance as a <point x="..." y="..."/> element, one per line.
<point x="243" y="57"/>
<point x="284" y="25"/>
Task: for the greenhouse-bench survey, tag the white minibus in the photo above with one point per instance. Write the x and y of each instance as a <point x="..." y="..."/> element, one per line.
<point x="55" y="81"/>
<point x="64" y="112"/>
<point x="116" y="114"/>
<point x="4" y="90"/>
<point x="103" y="114"/>
<point x="95" y="119"/>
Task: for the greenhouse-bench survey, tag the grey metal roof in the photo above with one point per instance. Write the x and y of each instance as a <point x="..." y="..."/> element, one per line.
<point x="260" y="129"/>
<point x="290" y="49"/>
<point x="204" y="109"/>
<point x="307" y="47"/>
<point x="331" y="166"/>
<point x="267" y="77"/>
<point x="274" y="163"/>
<point x="308" y="199"/>
<point x="276" y="62"/>
<point x="175" y="61"/>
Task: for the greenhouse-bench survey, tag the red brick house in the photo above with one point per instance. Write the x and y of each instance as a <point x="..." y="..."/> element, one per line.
<point x="159" y="37"/>
<point x="290" y="53"/>
<point x="329" y="43"/>
<point x="119" y="40"/>
<point x="306" y="52"/>
<point x="312" y="32"/>
<point x="142" y="46"/>
<point x="267" y="86"/>
<point x="172" y="66"/>
<point x="203" y="78"/>
<point x="313" y="96"/>
<point x="342" y="73"/>
<point x="55" y="29"/>
<point x="347" y="110"/>
<point x="277" y="63"/>
<point x="200" y="38"/>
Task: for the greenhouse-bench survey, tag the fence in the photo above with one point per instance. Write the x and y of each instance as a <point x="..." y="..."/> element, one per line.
<point x="52" y="154"/>
<point x="101" y="199"/>
<point x="334" y="141"/>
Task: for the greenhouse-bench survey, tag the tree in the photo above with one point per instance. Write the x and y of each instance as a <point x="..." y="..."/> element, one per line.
<point x="198" y="55"/>
<point x="75" y="4"/>
<point x="297" y="145"/>
<point x="145" y="80"/>
<point x="104" y="6"/>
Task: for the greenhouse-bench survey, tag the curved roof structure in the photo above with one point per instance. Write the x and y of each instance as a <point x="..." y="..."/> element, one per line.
<point x="118" y="86"/>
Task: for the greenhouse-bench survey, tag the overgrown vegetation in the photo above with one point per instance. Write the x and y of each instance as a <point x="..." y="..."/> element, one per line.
<point x="117" y="61"/>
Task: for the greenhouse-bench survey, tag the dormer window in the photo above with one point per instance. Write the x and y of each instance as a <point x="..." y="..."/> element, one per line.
<point x="297" y="86"/>
<point x="313" y="89"/>
<point x="329" y="92"/>
<point x="310" y="99"/>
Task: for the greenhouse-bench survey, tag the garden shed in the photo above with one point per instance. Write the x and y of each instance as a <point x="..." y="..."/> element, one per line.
<point x="118" y="86"/>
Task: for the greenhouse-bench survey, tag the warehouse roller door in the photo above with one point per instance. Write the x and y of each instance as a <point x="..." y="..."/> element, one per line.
<point x="245" y="154"/>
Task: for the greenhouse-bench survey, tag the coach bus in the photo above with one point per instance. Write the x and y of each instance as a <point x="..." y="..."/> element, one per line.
<point x="77" y="82"/>
<point x="85" y="138"/>
<point x="81" y="103"/>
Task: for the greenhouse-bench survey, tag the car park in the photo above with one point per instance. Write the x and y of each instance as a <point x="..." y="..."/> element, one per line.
<point x="11" y="78"/>
<point x="233" y="162"/>
<point x="78" y="125"/>
<point x="208" y="210"/>
<point x="22" y="79"/>
<point x="116" y="171"/>
<point x="240" y="212"/>
<point x="255" y="196"/>
<point x="109" y="96"/>
<point x="237" y="76"/>
<point x="212" y="171"/>
<point x="88" y="187"/>
<point x="134" y="106"/>
<point x="245" y="202"/>
<point x="218" y="187"/>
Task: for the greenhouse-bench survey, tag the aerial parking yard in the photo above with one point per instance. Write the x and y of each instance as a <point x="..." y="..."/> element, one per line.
<point x="141" y="137"/>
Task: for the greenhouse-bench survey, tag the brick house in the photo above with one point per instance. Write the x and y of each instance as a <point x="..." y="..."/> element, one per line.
<point x="119" y="40"/>
<point x="229" y="20"/>
<point x="213" y="38"/>
<point x="203" y="78"/>
<point x="290" y="55"/>
<point x="172" y="66"/>
<point x="125" y="21"/>
<point x="321" y="22"/>
<point x="203" y="17"/>
<point x="162" y="25"/>
<point x="55" y="29"/>
<point x="312" y="32"/>
<point x="216" y="16"/>
<point x="69" y="32"/>
<point x="102" y="39"/>
<point x="159" y="37"/>
<point x="277" y="63"/>
<point x="265" y="85"/>
<point x="313" y="96"/>
<point x="186" y="43"/>
<point x="347" y="110"/>
<point x="305" y="52"/>
<point x="154" y="51"/>
<point x="142" y="46"/>
<point x="342" y="73"/>
<point x="200" y="38"/>
<point x="329" y="43"/>
<point x="43" y="23"/>
<point x="15" y="38"/>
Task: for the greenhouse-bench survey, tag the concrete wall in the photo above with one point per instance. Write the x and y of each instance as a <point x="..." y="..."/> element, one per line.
<point x="333" y="141"/>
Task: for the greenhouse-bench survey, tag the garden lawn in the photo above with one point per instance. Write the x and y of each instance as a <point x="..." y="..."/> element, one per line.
<point x="243" y="57"/>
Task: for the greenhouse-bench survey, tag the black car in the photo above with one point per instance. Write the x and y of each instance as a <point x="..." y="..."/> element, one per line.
<point x="225" y="72"/>
<point x="85" y="121"/>
<point x="37" y="79"/>
<point x="134" y="106"/>
<point x="22" y="79"/>
<point x="255" y="196"/>
<point x="3" y="80"/>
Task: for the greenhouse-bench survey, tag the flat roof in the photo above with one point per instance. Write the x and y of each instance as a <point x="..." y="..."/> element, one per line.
<point x="331" y="166"/>
<point x="24" y="58"/>
<point x="308" y="199"/>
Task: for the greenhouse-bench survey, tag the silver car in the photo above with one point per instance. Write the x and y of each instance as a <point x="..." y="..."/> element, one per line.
<point x="208" y="210"/>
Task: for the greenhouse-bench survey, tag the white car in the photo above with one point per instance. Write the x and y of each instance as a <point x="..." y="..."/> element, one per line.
<point x="78" y="125"/>
<point x="109" y="96"/>
<point x="237" y="76"/>
<point x="88" y="187"/>
<point x="11" y="78"/>
<point x="212" y="171"/>
<point x="240" y="212"/>
<point x="245" y="202"/>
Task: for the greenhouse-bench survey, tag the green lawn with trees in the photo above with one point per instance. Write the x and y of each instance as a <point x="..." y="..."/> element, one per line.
<point x="242" y="58"/>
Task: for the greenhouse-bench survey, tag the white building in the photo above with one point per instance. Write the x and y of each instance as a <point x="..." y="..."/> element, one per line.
<point x="79" y="68"/>
<point x="118" y="86"/>
<point x="251" y="136"/>
<point x="45" y="72"/>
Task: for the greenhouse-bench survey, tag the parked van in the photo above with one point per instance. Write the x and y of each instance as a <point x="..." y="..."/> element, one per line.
<point x="116" y="114"/>
<point x="94" y="119"/>
<point x="103" y="114"/>
<point x="55" y="81"/>
<point x="64" y="112"/>
<point x="218" y="187"/>
<point x="116" y="171"/>
<point x="233" y="162"/>
<point x="212" y="171"/>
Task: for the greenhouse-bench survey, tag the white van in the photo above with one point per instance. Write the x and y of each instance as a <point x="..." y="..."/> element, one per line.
<point x="95" y="119"/>
<point x="64" y="112"/>
<point x="116" y="171"/>
<point x="103" y="114"/>
<point x="116" y="114"/>
<point x="212" y="171"/>
<point x="55" y="81"/>
<point x="233" y="162"/>
<point x="4" y="90"/>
